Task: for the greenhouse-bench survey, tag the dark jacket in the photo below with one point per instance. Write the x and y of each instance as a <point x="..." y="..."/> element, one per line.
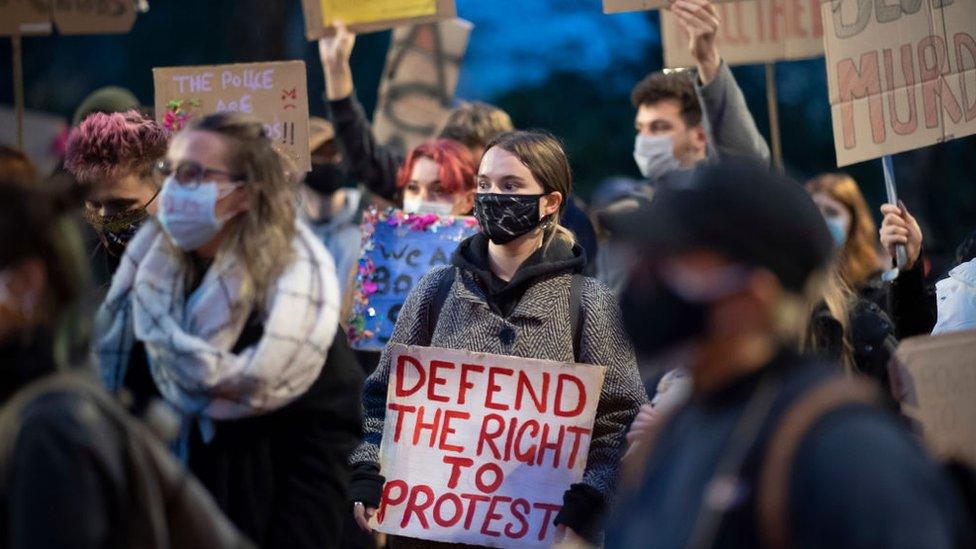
<point x="78" y="472"/>
<point x="912" y="303"/>
<point x="281" y="477"/>
<point x="537" y="325"/>
<point x="375" y="166"/>
<point x="857" y="478"/>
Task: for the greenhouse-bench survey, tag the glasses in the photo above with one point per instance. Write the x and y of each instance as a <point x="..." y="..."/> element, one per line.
<point x="190" y="173"/>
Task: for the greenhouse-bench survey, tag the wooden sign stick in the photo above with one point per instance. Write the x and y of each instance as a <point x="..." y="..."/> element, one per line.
<point x="773" y="108"/>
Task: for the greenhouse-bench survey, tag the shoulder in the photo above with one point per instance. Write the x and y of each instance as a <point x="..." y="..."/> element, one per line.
<point x="597" y="297"/>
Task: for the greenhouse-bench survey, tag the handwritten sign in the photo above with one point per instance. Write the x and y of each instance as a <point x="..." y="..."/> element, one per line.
<point x="900" y="75"/>
<point x="364" y="16"/>
<point x="275" y="93"/>
<point x="24" y="17"/>
<point x="102" y="17"/>
<point x="480" y="448"/>
<point x="753" y="31"/>
<point x="419" y="80"/>
<point x="398" y="250"/>
<point x="935" y="382"/>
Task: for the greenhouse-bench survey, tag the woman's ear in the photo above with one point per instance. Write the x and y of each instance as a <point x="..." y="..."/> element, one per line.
<point x="550" y="203"/>
<point x="465" y="204"/>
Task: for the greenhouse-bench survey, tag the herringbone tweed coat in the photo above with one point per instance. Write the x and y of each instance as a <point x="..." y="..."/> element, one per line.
<point x="542" y="325"/>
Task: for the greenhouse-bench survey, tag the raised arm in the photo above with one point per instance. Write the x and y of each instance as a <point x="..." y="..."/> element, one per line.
<point x="370" y="163"/>
<point x="731" y="128"/>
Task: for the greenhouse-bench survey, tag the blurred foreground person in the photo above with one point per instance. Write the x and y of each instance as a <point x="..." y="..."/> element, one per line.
<point x="112" y="155"/>
<point x="227" y="306"/>
<point x="75" y="470"/>
<point x="515" y="289"/>
<point x="772" y="448"/>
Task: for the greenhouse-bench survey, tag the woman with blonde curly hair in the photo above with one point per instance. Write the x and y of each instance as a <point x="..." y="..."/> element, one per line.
<point x="227" y="307"/>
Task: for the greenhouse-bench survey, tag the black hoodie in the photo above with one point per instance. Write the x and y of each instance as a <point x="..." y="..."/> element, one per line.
<point x="557" y="255"/>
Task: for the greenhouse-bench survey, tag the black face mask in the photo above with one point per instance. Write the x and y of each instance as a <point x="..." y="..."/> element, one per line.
<point x="326" y="178"/>
<point x="505" y="217"/>
<point x="658" y="319"/>
<point x="115" y="231"/>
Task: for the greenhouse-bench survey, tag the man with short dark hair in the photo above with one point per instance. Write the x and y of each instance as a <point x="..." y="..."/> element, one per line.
<point x="684" y="116"/>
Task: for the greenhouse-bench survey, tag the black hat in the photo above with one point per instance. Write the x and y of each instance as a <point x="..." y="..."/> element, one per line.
<point x="740" y="209"/>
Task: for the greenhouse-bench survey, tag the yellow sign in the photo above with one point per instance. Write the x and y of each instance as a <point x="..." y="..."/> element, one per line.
<point x="352" y="12"/>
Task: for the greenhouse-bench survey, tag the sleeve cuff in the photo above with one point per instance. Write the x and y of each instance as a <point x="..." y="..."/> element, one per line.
<point x="366" y="484"/>
<point x="345" y="108"/>
<point x="715" y="86"/>
<point x="583" y="510"/>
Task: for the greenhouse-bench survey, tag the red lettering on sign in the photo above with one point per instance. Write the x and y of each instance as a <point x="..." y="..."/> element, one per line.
<point x="447" y="430"/>
<point x="456" y="464"/>
<point x="402" y="362"/>
<point x="401" y="410"/>
<point x="577" y="440"/>
<point x="857" y="82"/>
<point x="465" y="384"/>
<point x="561" y="392"/>
<point x="556" y="445"/>
<point x="458" y="510"/>
<point x="519" y="516"/>
<point x="491" y="515"/>
<point x="415" y="507"/>
<point x="432" y="426"/>
<point x="550" y="509"/>
<point x="473" y="500"/>
<point x="486" y="436"/>
<point x="435" y="381"/>
<point x="479" y="477"/>
<point x="494" y="387"/>
<point x="524" y="385"/>
<point x="389" y="499"/>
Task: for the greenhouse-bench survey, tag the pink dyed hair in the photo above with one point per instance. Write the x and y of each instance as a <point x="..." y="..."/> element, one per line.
<point x="108" y="145"/>
<point x="457" y="167"/>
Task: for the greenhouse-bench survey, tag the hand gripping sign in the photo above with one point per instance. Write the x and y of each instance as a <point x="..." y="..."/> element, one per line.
<point x="480" y="448"/>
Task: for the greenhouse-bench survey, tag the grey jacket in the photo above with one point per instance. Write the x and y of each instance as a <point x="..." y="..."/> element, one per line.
<point x="729" y="125"/>
<point x="541" y="322"/>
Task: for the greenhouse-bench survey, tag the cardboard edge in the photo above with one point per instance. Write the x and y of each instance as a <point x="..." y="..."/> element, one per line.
<point x="312" y="9"/>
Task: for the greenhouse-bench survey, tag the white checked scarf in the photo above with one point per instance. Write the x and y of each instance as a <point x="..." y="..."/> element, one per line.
<point x="188" y="339"/>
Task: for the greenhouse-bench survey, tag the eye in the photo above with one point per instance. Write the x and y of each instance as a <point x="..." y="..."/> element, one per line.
<point x="483" y="184"/>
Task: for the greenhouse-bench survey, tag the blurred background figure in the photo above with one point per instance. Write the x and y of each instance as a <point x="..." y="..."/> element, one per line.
<point x="227" y="307"/>
<point x="111" y="155"/>
<point x="330" y="204"/>
<point x="851" y="323"/>
<point x="615" y="197"/>
<point x="78" y="472"/>
<point x="108" y="100"/>
<point x="773" y="447"/>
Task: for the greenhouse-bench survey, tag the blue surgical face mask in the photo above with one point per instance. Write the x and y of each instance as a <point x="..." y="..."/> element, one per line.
<point x="838" y="230"/>
<point x="654" y="155"/>
<point x="188" y="213"/>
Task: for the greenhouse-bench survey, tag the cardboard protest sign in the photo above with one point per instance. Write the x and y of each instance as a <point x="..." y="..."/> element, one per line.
<point x="275" y="93"/>
<point x="935" y="383"/>
<point x="24" y="17"/>
<point x="362" y="16"/>
<point x="480" y="448"/>
<point x="44" y="136"/>
<point x="619" y="6"/>
<point x="103" y="17"/>
<point x="900" y="75"/>
<point x="398" y="250"/>
<point x="753" y="31"/>
<point x="421" y="74"/>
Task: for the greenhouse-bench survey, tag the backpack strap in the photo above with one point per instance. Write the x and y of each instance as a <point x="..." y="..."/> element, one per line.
<point x="434" y="307"/>
<point x="772" y="498"/>
<point x="575" y="312"/>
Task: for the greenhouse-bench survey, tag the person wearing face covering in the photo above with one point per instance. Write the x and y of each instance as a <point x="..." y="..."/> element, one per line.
<point x="112" y="155"/>
<point x="509" y="291"/>
<point x="686" y="116"/>
<point x="227" y="307"/>
<point x="774" y="447"/>
<point x="329" y="204"/>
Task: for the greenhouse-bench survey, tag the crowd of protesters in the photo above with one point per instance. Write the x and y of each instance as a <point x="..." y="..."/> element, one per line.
<point x="176" y="373"/>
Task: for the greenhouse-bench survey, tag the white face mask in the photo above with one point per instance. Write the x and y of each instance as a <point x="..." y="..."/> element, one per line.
<point x="189" y="214"/>
<point x="654" y="155"/>
<point x="418" y="206"/>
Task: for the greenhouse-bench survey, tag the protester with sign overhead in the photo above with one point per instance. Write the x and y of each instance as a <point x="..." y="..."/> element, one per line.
<point x="684" y="117"/>
<point x="515" y="290"/>
<point x="472" y="123"/>
<point x="228" y="308"/>
<point x="773" y="448"/>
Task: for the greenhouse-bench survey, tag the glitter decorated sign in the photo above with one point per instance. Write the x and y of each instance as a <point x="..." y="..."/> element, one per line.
<point x="398" y="250"/>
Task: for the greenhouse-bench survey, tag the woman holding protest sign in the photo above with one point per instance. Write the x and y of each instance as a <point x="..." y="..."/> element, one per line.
<point x="515" y="290"/>
<point x="227" y="306"/>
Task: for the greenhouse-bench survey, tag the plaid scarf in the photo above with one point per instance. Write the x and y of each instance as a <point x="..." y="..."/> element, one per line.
<point x="188" y="338"/>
